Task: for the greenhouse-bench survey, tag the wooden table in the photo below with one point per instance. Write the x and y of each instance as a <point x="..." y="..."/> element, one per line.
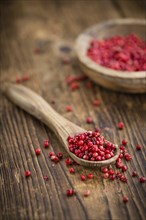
<point x="35" y="37"/>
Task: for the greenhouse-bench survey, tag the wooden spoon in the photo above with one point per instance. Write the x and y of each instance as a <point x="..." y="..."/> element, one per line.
<point x="38" y="107"/>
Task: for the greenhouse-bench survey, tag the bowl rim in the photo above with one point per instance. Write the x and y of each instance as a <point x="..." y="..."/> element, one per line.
<point x="82" y="44"/>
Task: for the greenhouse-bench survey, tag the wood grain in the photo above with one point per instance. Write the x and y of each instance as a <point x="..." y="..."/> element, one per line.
<point x="26" y="26"/>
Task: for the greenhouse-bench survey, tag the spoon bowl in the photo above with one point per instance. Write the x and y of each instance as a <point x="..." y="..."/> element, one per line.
<point x="39" y="108"/>
<point x="122" y="81"/>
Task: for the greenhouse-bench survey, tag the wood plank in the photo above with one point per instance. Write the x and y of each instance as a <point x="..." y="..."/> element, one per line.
<point x="26" y="26"/>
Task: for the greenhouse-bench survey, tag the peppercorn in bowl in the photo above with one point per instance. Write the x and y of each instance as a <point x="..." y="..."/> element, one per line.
<point x="113" y="54"/>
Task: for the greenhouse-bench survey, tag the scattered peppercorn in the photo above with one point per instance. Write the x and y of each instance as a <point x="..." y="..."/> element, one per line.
<point x="68" y="161"/>
<point x="46" y="143"/>
<point x="68" y="108"/>
<point x="72" y="170"/>
<point x="134" y="174"/>
<point x="70" y="192"/>
<point x="89" y="120"/>
<point x="83" y="177"/>
<point x="124" y="142"/>
<point x="86" y="193"/>
<point x="38" y="151"/>
<point x="96" y="102"/>
<point x="27" y="173"/>
<point x="60" y="155"/>
<point x="90" y="176"/>
<point x="121" y="125"/>
<point x="125" y="199"/>
<point x="142" y="179"/>
<point x="138" y="147"/>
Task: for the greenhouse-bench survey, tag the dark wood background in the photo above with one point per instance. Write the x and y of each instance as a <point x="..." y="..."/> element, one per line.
<point x="34" y="37"/>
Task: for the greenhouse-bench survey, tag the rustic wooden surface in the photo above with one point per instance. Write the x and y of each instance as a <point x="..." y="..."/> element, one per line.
<point x="49" y="25"/>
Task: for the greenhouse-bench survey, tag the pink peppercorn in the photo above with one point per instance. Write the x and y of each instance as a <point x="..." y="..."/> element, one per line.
<point x="74" y="86"/>
<point x="46" y="178"/>
<point x="70" y="192"/>
<point x="96" y="102"/>
<point x="38" y="151"/>
<point x="83" y="177"/>
<point x="25" y="78"/>
<point x="72" y="170"/>
<point x="91" y="146"/>
<point x="68" y="108"/>
<point x="60" y="155"/>
<point x="51" y="154"/>
<point x="66" y="60"/>
<point x="124" y="168"/>
<point x="117" y="53"/>
<point x="27" y="173"/>
<point x="56" y="159"/>
<point x="105" y="175"/>
<point x="111" y="172"/>
<point x="134" y="174"/>
<point x="138" y="147"/>
<point x="125" y="199"/>
<point x="86" y="193"/>
<point x="90" y="176"/>
<point x="46" y="143"/>
<point x="68" y="161"/>
<point x="128" y="157"/>
<point x="124" y="142"/>
<point x="142" y="179"/>
<point x="104" y="170"/>
<point x="112" y="177"/>
<point x="121" y="125"/>
<point x="89" y="120"/>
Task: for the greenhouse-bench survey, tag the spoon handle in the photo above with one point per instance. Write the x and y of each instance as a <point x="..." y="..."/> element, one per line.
<point x="38" y="107"/>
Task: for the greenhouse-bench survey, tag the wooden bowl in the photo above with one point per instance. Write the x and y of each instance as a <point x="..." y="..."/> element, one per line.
<point x="123" y="81"/>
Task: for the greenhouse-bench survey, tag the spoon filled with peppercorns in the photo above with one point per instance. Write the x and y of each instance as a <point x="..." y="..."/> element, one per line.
<point x="88" y="148"/>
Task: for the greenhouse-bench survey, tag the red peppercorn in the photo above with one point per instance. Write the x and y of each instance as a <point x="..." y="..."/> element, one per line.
<point x="18" y="80"/>
<point x="138" y="147"/>
<point x="46" y="178"/>
<point x="111" y="172"/>
<point x="46" y="143"/>
<point x="60" y="155"/>
<point x="72" y="170"/>
<point x="128" y="157"/>
<point x="56" y="159"/>
<point x="27" y="173"/>
<point x="25" y="78"/>
<point x="142" y="179"/>
<point x="90" y="176"/>
<point x="70" y="192"/>
<point x="51" y="154"/>
<point x="66" y="60"/>
<point x="124" y="142"/>
<point x="89" y="120"/>
<point x="86" y="193"/>
<point x="38" y="151"/>
<point x="104" y="170"/>
<point x="68" y="108"/>
<point x="112" y="177"/>
<point x="124" y="168"/>
<point x="125" y="199"/>
<point x="74" y="86"/>
<point x="96" y="102"/>
<point x="83" y="177"/>
<point x="134" y="174"/>
<point x="91" y="146"/>
<point x="121" y="125"/>
<point x="105" y="175"/>
<point x="116" y="53"/>
<point x="68" y="161"/>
